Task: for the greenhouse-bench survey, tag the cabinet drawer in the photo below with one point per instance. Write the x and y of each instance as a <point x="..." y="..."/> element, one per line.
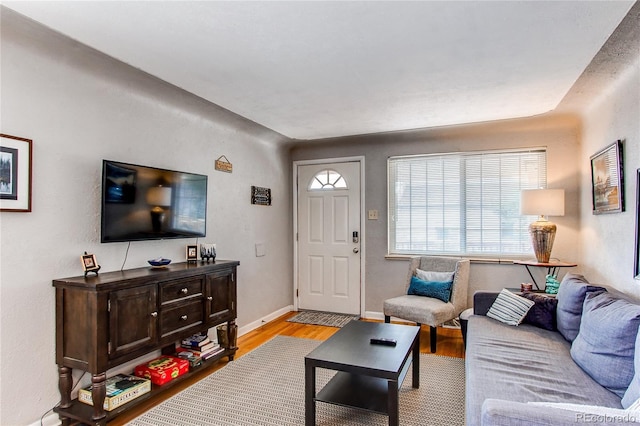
<point x="171" y="291"/>
<point x="180" y="317"/>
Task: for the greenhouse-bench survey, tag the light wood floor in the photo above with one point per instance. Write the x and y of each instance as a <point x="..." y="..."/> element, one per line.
<point x="449" y="344"/>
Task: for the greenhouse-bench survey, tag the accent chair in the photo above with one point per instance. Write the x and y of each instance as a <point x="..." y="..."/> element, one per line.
<point x="430" y="310"/>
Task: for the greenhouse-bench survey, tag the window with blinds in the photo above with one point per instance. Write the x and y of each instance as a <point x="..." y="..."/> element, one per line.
<point x="462" y="203"/>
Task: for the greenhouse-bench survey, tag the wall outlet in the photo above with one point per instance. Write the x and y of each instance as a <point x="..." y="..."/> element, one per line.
<point x="372" y="215"/>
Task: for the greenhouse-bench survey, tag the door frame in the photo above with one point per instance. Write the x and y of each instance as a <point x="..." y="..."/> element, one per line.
<point x="296" y="164"/>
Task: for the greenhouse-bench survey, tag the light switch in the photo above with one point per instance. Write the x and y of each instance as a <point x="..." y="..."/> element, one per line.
<point x="260" y="250"/>
<point x="373" y="214"/>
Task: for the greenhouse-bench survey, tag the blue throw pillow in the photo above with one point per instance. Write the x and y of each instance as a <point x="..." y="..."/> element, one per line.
<point x="435" y="289"/>
<point x="605" y="345"/>
<point x="571" y="294"/>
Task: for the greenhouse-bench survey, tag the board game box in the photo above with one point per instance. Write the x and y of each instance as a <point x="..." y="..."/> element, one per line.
<point x="121" y="389"/>
<point x="162" y="369"/>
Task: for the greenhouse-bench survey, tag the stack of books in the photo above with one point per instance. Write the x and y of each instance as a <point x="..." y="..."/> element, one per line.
<point x="201" y="346"/>
<point x="121" y="389"/>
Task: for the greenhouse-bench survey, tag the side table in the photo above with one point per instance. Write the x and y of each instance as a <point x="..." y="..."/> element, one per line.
<point x="552" y="267"/>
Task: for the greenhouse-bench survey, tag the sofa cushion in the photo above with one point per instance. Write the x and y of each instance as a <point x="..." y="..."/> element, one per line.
<point x="605" y="345"/>
<point x="571" y="296"/>
<point x="543" y="313"/>
<point x="632" y="395"/>
<point x="438" y="290"/>
<point x="523" y="364"/>
<point x="509" y="308"/>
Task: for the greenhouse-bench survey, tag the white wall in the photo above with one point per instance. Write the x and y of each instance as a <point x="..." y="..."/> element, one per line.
<point x="80" y="107"/>
<point x="608" y="240"/>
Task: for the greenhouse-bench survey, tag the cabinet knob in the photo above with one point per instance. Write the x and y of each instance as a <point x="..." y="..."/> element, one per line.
<point x="183" y="318"/>
<point x="154" y="314"/>
<point x="184" y="291"/>
<point x="209" y="298"/>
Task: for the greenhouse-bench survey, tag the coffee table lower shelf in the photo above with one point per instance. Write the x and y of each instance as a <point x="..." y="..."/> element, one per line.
<point x="358" y="391"/>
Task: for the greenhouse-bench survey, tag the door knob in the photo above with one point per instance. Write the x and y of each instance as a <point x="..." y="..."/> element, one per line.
<point x="356" y="250"/>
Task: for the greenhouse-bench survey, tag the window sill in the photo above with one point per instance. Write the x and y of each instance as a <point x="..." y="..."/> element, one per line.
<point x="473" y="259"/>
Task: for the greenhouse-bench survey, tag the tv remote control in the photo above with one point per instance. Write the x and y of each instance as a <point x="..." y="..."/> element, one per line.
<point x="383" y="341"/>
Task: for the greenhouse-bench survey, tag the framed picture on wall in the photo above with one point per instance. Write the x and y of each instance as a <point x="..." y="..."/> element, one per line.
<point x="607" y="182"/>
<point x="15" y="173"/>
<point x="637" y="256"/>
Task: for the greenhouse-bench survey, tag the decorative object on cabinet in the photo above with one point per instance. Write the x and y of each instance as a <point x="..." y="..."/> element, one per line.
<point x="260" y="196"/>
<point x="227" y="336"/>
<point x="159" y="262"/>
<point x="224" y="165"/>
<point x="637" y="257"/>
<point x="542" y="202"/>
<point x="192" y="253"/>
<point x="16" y="155"/>
<point x="207" y="252"/>
<point x="95" y="318"/>
<point x="607" y="180"/>
<point x="89" y="263"/>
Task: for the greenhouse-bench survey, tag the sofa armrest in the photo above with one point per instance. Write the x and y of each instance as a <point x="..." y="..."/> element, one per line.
<point x="482" y="301"/>
<point x="498" y="412"/>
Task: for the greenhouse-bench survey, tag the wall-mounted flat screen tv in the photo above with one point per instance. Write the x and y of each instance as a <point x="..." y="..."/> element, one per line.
<point x="148" y="203"/>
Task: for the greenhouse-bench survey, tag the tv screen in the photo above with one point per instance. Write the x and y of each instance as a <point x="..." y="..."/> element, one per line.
<point x="147" y="203"/>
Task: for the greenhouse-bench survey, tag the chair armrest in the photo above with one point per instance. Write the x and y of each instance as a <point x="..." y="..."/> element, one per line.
<point x="482" y="301"/>
<point x="498" y="412"/>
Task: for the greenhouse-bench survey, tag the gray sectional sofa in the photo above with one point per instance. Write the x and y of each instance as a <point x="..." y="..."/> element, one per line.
<point x="522" y="375"/>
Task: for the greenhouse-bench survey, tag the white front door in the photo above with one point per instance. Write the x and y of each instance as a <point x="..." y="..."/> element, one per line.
<point x="329" y="237"/>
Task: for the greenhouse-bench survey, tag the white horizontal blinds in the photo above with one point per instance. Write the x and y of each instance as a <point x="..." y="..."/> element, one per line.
<point x="462" y="203"/>
<point x="492" y="200"/>
<point x="425" y="204"/>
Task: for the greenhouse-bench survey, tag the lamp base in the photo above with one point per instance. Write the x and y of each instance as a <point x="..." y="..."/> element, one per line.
<point x="542" y="234"/>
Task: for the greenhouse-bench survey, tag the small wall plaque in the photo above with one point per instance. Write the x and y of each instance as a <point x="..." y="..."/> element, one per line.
<point x="260" y="196"/>
<point x="224" y="165"/>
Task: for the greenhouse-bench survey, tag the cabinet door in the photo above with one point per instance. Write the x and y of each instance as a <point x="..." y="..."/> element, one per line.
<point x="221" y="296"/>
<point x="133" y="319"/>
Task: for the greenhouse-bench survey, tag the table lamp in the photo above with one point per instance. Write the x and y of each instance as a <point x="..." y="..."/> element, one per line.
<point x="542" y="202"/>
<point x="158" y="196"/>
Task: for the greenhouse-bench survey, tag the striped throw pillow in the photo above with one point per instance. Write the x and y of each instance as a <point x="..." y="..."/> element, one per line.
<point x="510" y="308"/>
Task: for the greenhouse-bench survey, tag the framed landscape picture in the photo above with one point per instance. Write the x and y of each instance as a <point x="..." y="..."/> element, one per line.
<point x="15" y="173"/>
<point x="607" y="180"/>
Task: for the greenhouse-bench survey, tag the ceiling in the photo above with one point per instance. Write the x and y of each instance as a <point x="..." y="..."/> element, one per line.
<point x="311" y="70"/>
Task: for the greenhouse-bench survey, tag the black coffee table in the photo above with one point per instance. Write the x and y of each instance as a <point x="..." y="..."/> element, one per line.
<point x="369" y="376"/>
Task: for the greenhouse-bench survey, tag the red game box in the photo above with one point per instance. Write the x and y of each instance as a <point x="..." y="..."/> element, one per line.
<point x="162" y="369"/>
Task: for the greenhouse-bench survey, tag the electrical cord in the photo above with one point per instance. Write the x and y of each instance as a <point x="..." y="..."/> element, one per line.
<point x="125" y="256"/>
<point x="54" y="407"/>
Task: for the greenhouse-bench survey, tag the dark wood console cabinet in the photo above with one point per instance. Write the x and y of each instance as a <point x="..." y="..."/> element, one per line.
<point x="106" y="320"/>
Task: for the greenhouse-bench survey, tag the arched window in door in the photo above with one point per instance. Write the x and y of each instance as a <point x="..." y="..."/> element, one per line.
<point x="327" y="180"/>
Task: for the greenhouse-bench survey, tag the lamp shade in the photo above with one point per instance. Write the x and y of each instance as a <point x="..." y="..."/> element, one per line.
<point x="159" y="196"/>
<point x="542" y="202"/>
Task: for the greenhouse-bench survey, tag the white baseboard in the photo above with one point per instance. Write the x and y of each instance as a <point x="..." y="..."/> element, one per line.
<point x="262" y="321"/>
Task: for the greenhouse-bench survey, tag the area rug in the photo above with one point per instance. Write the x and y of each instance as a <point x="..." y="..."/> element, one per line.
<point x="323" y="318"/>
<point x="266" y="387"/>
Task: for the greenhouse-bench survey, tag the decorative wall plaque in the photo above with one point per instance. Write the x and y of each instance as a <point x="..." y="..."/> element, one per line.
<point x="260" y="196"/>
<point x="224" y="165"/>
